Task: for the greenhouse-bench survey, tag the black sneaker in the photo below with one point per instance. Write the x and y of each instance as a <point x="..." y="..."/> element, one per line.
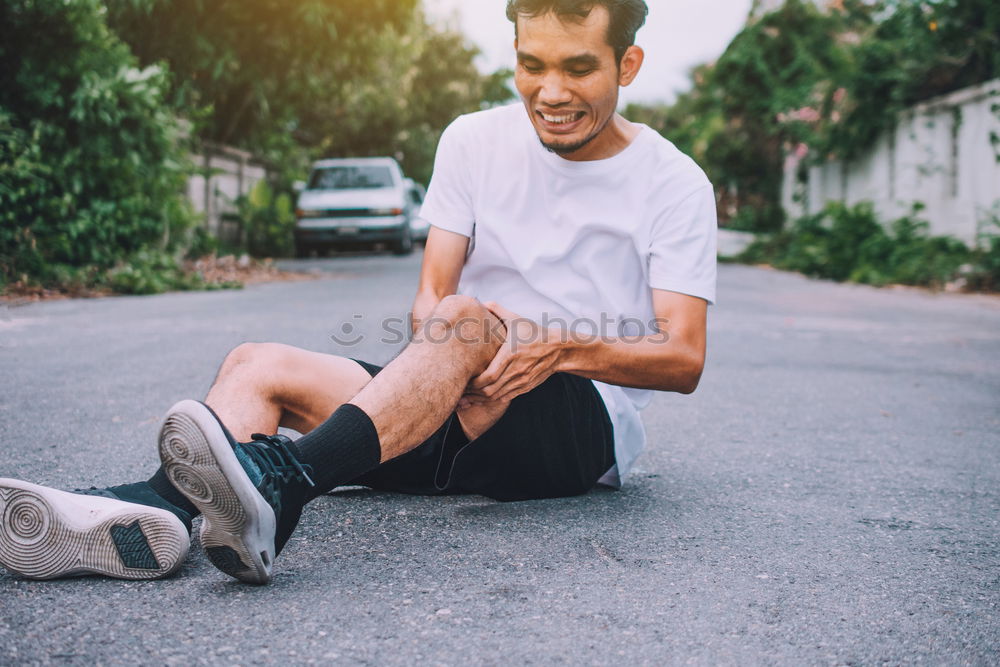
<point x="46" y="533"/>
<point x="250" y="494"/>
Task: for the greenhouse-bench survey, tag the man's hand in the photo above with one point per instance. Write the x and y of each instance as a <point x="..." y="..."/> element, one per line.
<point x="527" y="358"/>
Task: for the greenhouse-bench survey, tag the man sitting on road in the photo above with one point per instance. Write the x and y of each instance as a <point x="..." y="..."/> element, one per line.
<point x="567" y="273"/>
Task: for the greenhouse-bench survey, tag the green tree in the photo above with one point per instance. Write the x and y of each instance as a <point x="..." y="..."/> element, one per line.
<point x="296" y="81"/>
<point x="730" y="122"/>
<point x="423" y="78"/>
<point x="91" y="168"/>
<point x="821" y="83"/>
<point x="254" y="63"/>
<point x="907" y="51"/>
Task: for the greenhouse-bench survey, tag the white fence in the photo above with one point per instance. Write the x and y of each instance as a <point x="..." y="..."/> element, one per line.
<point x="944" y="153"/>
<point x="224" y="174"/>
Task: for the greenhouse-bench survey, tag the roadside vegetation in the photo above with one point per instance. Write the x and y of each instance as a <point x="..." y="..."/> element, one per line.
<point x="103" y="101"/>
<point x="824" y="84"/>
<point x="850" y="244"/>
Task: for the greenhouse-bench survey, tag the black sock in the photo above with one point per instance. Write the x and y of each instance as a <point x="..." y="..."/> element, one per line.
<point x="166" y="490"/>
<point x="339" y="450"/>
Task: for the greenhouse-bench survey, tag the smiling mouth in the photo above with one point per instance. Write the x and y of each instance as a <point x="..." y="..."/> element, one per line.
<point x="561" y="118"/>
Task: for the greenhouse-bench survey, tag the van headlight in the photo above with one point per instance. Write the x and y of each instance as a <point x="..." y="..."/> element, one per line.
<point x="380" y="212"/>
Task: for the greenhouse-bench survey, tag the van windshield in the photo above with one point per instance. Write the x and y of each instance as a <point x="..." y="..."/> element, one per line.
<point x="350" y="178"/>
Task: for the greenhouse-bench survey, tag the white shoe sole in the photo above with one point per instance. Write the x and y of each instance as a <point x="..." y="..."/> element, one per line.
<point x="46" y="533"/>
<point x="238" y="528"/>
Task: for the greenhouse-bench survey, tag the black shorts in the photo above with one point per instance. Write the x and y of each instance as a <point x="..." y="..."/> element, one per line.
<point x="554" y="441"/>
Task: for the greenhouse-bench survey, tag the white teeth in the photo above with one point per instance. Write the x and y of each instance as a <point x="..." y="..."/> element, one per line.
<point x="559" y="120"/>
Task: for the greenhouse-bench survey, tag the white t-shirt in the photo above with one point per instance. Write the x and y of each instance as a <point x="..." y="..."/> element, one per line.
<point x="575" y="244"/>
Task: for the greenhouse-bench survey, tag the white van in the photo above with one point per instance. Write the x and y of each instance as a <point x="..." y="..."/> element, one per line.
<point x="354" y="201"/>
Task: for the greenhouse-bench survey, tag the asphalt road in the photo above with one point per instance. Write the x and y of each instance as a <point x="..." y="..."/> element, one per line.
<point x="830" y="495"/>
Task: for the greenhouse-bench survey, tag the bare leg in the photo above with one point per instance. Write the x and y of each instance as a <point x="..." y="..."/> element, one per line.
<point x="413" y="396"/>
<point x="263" y="385"/>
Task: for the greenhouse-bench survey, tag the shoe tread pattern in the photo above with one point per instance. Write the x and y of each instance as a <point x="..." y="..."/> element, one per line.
<point x="192" y="467"/>
<point x="39" y="539"/>
<point x="133" y="547"/>
<point x="227" y="560"/>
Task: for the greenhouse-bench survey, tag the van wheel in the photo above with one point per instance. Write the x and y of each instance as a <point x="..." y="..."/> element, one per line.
<point x="404" y="245"/>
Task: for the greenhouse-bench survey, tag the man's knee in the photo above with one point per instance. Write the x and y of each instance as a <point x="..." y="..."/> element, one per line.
<point x="464" y="317"/>
<point x="457" y="307"/>
<point x="252" y="357"/>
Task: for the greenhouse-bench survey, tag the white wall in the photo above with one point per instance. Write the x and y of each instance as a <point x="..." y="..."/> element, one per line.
<point x="940" y="154"/>
<point x="224" y="175"/>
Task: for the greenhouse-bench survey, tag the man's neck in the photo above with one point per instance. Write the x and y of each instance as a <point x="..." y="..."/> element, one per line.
<point x="616" y="136"/>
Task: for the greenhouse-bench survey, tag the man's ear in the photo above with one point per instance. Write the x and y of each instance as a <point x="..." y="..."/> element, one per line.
<point x="630" y="64"/>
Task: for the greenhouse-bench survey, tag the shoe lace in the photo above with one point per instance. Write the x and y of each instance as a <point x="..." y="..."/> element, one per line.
<point x="275" y="459"/>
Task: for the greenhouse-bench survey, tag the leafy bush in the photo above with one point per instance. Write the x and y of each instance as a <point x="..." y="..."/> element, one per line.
<point x="763" y="217"/>
<point x="201" y="242"/>
<point x="844" y="243"/>
<point x="151" y="272"/>
<point x="91" y="165"/>
<point x="985" y="272"/>
<point x="268" y="222"/>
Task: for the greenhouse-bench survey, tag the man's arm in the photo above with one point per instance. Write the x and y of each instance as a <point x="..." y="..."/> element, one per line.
<point x="671" y="360"/>
<point x="444" y="257"/>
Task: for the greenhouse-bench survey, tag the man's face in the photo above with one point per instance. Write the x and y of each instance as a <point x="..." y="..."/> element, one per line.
<point x="568" y="78"/>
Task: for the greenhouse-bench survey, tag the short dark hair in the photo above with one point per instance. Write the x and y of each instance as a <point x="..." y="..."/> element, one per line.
<point x="627" y="16"/>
